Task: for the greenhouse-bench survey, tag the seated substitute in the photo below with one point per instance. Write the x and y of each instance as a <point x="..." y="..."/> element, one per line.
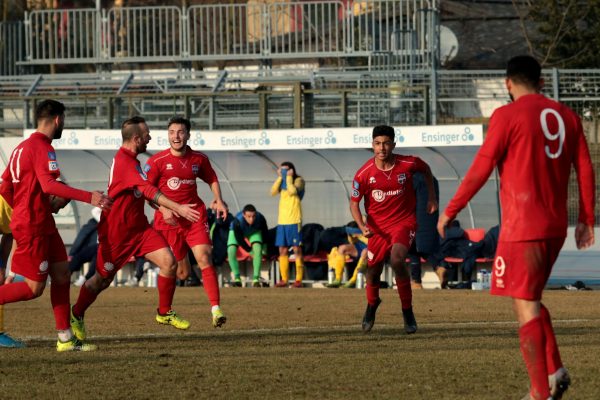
<point x="252" y="225"/>
<point x="356" y="248"/>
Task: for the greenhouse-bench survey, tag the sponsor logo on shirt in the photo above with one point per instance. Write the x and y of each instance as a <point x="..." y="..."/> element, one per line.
<point x="174" y="183"/>
<point x="372" y="179"/>
<point x="142" y="173"/>
<point x="380" y="195"/>
<point x="169" y="166"/>
<point x="44" y="266"/>
<point x="52" y="166"/>
<point x="195" y="169"/>
<point x="402" y="179"/>
<point x="52" y="155"/>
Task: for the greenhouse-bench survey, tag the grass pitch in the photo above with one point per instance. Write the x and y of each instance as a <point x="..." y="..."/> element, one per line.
<point x="295" y="343"/>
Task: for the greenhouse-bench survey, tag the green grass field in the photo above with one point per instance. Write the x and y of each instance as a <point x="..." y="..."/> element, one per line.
<point x="295" y="343"/>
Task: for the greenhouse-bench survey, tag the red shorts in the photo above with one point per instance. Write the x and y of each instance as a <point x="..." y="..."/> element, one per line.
<point x="34" y="254"/>
<point x="521" y="269"/>
<point x="380" y="244"/>
<point x="183" y="239"/>
<point x="111" y="259"/>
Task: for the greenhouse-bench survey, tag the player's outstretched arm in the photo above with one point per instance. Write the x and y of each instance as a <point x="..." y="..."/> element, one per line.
<point x="584" y="236"/>
<point x="443" y="222"/>
<point x="186" y="211"/>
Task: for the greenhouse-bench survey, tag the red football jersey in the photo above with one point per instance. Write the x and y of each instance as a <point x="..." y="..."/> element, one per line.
<point x="389" y="195"/>
<point x="128" y="186"/>
<point x="534" y="142"/>
<point x="29" y="178"/>
<point x="176" y="178"/>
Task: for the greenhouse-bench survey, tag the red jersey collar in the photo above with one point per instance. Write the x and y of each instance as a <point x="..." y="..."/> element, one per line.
<point x="41" y="135"/>
<point x="128" y="152"/>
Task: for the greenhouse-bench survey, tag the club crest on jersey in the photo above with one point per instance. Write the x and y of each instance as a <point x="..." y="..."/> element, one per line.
<point x="52" y="166"/>
<point x="146" y="168"/>
<point x="141" y="172"/>
<point x="355" y="193"/>
<point x="401" y="179"/>
<point x="51" y="155"/>
<point x="195" y="169"/>
<point x="372" y="179"/>
<point x="169" y="166"/>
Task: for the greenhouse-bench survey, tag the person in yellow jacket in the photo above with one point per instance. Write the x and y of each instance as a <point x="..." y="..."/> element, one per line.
<point x="290" y="186"/>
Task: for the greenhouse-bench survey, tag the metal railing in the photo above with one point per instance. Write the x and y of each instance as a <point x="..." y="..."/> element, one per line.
<point x="406" y="29"/>
<point x="12" y="47"/>
<point x="55" y="36"/>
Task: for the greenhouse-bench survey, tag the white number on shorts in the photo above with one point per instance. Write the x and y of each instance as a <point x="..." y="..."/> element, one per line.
<point x="15" y="165"/>
<point x="499" y="266"/>
<point x="560" y="135"/>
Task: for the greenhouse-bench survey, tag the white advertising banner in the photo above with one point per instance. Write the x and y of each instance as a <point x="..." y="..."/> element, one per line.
<point x="279" y="139"/>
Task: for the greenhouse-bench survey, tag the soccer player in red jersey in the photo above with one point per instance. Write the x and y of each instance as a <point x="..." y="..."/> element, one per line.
<point x="27" y="183"/>
<point x="385" y="182"/>
<point x="533" y="141"/>
<point x="174" y="171"/>
<point x="125" y="232"/>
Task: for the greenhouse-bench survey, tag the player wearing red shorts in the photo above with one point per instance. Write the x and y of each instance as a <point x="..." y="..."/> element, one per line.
<point x="385" y="182"/>
<point x="27" y="183"/>
<point x="533" y="141"/>
<point x="174" y="171"/>
<point x="125" y="232"/>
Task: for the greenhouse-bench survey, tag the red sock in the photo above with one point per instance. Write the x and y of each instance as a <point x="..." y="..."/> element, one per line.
<point x="60" y="298"/>
<point x="552" y="354"/>
<point x="405" y="292"/>
<point x="533" y="345"/>
<point x="166" y="291"/>
<point x="85" y="299"/>
<point x="372" y="293"/>
<point x="211" y="285"/>
<point x="13" y="292"/>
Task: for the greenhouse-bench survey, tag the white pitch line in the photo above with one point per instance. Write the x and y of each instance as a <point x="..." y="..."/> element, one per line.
<point x="353" y="328"/>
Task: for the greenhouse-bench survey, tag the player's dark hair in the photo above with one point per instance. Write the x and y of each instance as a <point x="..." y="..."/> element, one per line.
<point x="289" y="165"/>
<point x="352" y="224"/>
<point x="249" y="208"/>
<point x="384" y="130"/>
<point x="49" y="109"/>
<point x="180" y="120"/>
<point x="524" y="70"/>
<point x="131" y="127"/>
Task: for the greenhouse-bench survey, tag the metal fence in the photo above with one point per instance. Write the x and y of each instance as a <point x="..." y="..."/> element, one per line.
<point x="406" y="29"/>
<point x="12" y="47"/>
<point x="215" y="99"/>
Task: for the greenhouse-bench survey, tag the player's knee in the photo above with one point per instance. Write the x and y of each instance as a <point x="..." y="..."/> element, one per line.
<point x="182" y="274"/>
<point x="37" y="290"/>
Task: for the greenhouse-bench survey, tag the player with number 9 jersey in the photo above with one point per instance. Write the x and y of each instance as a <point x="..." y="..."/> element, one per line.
<point x="533" y="141"/>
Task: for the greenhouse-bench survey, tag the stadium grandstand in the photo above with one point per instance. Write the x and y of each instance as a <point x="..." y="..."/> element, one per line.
<point x="312" y="71"/>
